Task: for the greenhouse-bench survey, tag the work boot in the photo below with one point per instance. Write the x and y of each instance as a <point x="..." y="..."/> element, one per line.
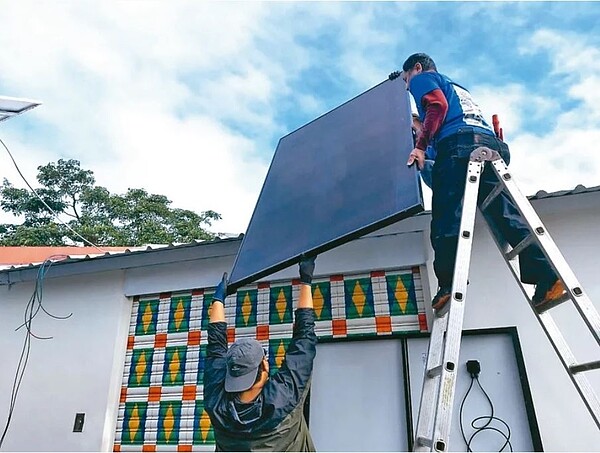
<point x="548" y="290"/>
<point x="441" y="298"/>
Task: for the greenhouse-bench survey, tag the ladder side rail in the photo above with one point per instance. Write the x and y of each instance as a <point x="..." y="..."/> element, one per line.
<point x="547" y="323"/>
<point x="582" y="302"/>
<point x="549" y="327"/>
<point x="431" y="386"/>
<point x="457" y="307"/>
<point x="582" y="384"/>
<point x="563" y="351"/>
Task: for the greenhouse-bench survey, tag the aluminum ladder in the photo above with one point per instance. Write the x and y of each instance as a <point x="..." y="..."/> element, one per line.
<point x="437" y="397"/>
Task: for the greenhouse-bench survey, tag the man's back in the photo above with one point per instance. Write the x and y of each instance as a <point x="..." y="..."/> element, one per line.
<point x="291" y="434"/>
<point x="250" y="411"/>
<point x="462" y="110"/>
<point x="275" y="419"/>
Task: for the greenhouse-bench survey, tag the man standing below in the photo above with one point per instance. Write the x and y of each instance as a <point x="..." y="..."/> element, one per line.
<point x="454" y="125"/>
<point x="249" y="410"/>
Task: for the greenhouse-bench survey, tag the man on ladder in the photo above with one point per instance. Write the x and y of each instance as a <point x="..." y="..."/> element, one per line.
<point x="454" y="125"/>
<point x="471" y="171"/>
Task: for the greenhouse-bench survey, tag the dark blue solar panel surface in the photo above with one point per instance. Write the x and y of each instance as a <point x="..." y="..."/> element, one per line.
<point x="335" y="179"/>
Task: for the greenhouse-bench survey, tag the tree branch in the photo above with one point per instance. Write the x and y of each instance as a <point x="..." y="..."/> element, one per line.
<point x="74" y="205"/>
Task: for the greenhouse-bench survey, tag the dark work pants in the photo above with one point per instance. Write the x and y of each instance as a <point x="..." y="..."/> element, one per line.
<point x="448" y="184"/>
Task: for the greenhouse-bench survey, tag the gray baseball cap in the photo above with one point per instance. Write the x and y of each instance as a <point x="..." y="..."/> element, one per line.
<point x="243" y="359"/>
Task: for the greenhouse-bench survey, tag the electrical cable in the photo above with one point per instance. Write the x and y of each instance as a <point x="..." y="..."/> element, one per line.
<point x="490" y="418"/>
<point x="34" y="305"/>
<point x="42" y="271"/>
<point x="44" y="203"/>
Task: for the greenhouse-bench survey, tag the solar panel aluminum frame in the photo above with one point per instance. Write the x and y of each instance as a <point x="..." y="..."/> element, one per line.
<point x="10" y="107"/>
<point x="387" y="114"/>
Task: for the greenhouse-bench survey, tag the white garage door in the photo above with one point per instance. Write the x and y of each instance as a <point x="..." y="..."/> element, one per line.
<point x="357" y="401"/>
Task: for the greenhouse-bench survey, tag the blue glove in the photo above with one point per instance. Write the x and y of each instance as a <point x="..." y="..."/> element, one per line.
<point x="221" y="291"/>
<point x="307" y="267"/>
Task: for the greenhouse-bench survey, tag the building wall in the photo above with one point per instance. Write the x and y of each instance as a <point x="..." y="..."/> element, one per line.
<point x="77" y="371"/>
<point x="495" y="300"/>
<point x="81" y="368"/>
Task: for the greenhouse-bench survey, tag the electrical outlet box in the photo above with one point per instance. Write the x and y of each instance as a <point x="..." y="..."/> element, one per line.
<point x="78" y="425"/>
<point x="473" y="367"/>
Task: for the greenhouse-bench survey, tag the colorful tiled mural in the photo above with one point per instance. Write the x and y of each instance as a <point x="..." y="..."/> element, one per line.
<point x="161" y="405"/>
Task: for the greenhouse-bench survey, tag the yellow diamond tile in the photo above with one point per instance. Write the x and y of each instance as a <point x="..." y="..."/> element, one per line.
<point x="147" y="318"/>
<point x="179" y="314"/>
<point x="204" y="425"/>
<point x="280" y="354"/>
<point x="318" y="301"/>
<point x="134" y="423"/>
<point x="401" y="295"/>
<point x="175" y="365"/>
<point x="359" y="298"/>
<point x="140" y="368"/>
<point x="281" y="304"/>
<point x="246" y="308"/>
<point x="169" y="423"/>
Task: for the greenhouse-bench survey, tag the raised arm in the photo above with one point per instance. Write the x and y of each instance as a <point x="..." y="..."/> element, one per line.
<point x="288" y="385"/>
<point x="215" y="365"/>
<point x="217" y="309"/>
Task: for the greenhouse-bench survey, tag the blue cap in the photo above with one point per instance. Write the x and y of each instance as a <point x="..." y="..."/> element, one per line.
<point x="243" y="359"/>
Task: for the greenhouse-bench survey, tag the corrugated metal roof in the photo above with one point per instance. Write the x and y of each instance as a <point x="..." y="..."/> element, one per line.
<point x="542" y="194"/>
<point x="72" y="257"/>
<point x="561" y="193"/>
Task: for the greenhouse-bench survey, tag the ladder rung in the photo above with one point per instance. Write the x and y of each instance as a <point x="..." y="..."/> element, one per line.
<point x="550" y="305"/>
<point x="492" y="195"/>
<point x="424" y="441"/>
<point x="519" y="247"/>
<point x="435" y="371"/>
<point x="587" y="366"/>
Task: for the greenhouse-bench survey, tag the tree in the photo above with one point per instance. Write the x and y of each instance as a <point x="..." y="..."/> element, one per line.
<point x="134" y="218"/>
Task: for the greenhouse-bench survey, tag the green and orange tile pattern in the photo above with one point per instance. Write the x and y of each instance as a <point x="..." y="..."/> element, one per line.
<point x="161" y="406"/>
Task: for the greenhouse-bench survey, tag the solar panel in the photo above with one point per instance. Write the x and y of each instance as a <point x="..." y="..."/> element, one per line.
<point x="10" y="107"/>
<point x="333" y="180"/>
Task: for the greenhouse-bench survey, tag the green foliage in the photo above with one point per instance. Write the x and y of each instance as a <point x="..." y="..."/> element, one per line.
<point x="134" y="218"/>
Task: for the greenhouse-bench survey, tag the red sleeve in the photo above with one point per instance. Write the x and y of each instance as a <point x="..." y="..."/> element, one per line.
<point x="436" y="107"/>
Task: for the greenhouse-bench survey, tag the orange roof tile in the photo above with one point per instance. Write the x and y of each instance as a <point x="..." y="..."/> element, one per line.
<point x="28" y="255"/>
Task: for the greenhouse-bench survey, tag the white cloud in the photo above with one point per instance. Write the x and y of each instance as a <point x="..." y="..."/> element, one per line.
<point x="182" y="97"/>
<point x="120" y="94"/>
<point x="196" y="158"/>
<point x="564" y="156"/>
<point x="569" y="52"/>
<point x="514" y="105"/>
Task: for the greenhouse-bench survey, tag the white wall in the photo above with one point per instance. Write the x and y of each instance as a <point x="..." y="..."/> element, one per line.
<point x="495" y="300"/>
<point x="348" y="411"/>
<point x="79" y="370"/>
<point x="499" y="378"/>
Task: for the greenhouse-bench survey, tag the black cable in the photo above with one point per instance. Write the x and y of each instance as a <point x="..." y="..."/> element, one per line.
<point x="42" y="271"/>
<point x="23" y="360"/>
<point x="462" y="430"/>
<point x="18" y="377"/>
<point x="33" y="307"/>
<point x="490" y="418"/>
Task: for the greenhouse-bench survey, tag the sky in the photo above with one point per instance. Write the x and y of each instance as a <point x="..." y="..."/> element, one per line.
<point x="188" y="99"/>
